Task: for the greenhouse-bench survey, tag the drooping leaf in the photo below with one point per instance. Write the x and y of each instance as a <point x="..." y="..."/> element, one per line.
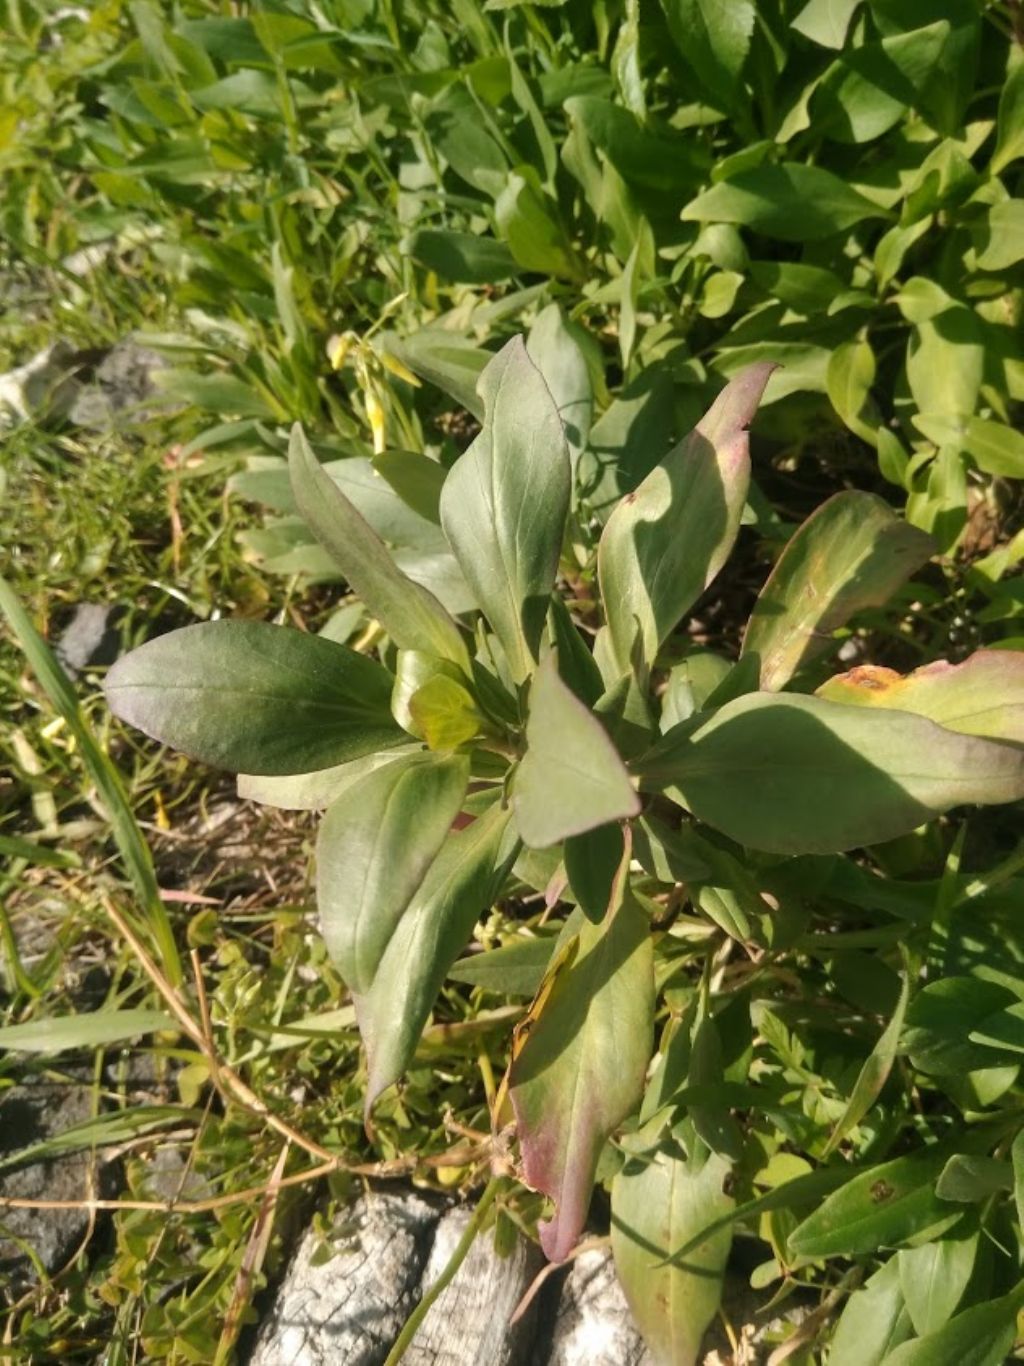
<point x="970" y="1178"/>
<point x="982" y="696"/>
<point x="581" y="1068"/>
<point x="880" y="1207"/>
<point x="571" y="778"/>
<point x="657" y="1206"/>
<point x="933" y="1277"/>
<point x="410" y="614"/>
<point x="504" y="504"/>
<point x="981" y="1336"/>
<point x="255" y="698"/>
<point x="461" y="883"/>
<point x="666" y="541"/>
<point x="793" y="774"/>
<point x="791" y="202"/>
<point x="375" y="845"/>
<point x="852" y="553"/>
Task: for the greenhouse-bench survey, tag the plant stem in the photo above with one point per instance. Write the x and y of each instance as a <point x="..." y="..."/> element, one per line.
<point x="412" y="1323"/>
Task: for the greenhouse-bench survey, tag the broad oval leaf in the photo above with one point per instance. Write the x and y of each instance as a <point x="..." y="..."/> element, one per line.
<point x="873" y="1322"/>
<point x="877" y="1208"/>
<point x="581" y="1069"/>
<point x="410" y="613"/>
<point x="852" y="553"/>
<point x="462" y="881"/>
<point x="934" y="1277"/>
<point x="791" y="202"/>
<point x="553" y="347"/>
<point x="982" y="696"/>
<point x="668" y="539"/>
<point x="314" y="791"/>
<point x="981" y="1336"/>
<point x="571" y="778"/>
<point x="504" y="504"/>
<point x="797" y="775"/>
<point x="656" y="1207"/>
<point x="255" y="698"/>
<point x="375" y="845"/>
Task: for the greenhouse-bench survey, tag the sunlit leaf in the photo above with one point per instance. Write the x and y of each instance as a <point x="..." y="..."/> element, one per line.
<point x="255" y="698"/>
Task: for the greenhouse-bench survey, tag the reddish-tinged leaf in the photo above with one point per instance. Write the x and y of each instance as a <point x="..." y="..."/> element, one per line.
<point x="667" y="540"/>
<point x="581" y="1069"/>
<point x="852" y="553"/>
<point x="982" y="696"/>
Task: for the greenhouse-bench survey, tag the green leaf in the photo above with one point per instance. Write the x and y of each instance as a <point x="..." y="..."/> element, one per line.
<point x="656" y="1206"/>
<point x="714" y="36"/>
<point x="255" y="698"/>
<point x="851" y="373"/>
<point x="591" y="863"/>
<point x="416" y="479"/>
<point x="461" y="256"/>
<point x="852" y="553"/>
<point x="969" y="1178"/>
<point x="826" y="21"/>
<point x="315" y="791"/>
<point x="643" y="156"/>
<point x="446" y="359"/>
<point x="941" y="1019"/>
<point x="881" y="1207"/>
<point x="1010" y="120"/>
<point x="445" y="713"/>
<point x="982" y="696"/>
<point x="571" y="778"/>
<point x="995" y="448"/>
<point x="529" y="223"/>
<point x="874" y="1321"/>
<point x="581" y="1069"/>
<point x="946" y="361"/>
<point x="873" y="1075"/>
<point x="1003" y="1029"/>
<point x="1017" y="1156"/>
<point x="504" y="504"/>
<point x="981" y="1336"/>
<point x="665" y="542"/>
<point x="463" y="880"/>
<point x="791" y="202"/>
<point x="797" y="775"/>
<point x="60" y="1033"/>
<point x="626" y="441"/>
<point x="554" y="350"/>
<point x="933" y="1278"/>
<point x="410" y="613"/>
<point x="515" y="969"/>
<point x="376" y="843"/>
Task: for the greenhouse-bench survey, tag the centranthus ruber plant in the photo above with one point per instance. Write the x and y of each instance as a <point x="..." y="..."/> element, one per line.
<point x="685" y="809"/>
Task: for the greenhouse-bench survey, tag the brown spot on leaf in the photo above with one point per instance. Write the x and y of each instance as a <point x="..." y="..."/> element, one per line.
<point x="881" y="1191"/>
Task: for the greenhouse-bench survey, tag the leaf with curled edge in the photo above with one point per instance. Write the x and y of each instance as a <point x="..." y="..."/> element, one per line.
<point x="667" y="540"/>
<point x="852" y="552"/>
<point x="982" y="696"/>
<point x="578" y="1067"/>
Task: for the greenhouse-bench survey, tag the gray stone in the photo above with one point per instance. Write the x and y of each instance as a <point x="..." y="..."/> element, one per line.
<point x="121" y="384"/>
<point x="90" y="637"/>
<point x="470" y="1321"/>
<point x="350" y="1308"/>
<point x="593" y="1326"/>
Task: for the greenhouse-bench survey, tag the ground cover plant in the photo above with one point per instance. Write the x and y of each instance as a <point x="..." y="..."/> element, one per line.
<point x="346" y="215"/>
